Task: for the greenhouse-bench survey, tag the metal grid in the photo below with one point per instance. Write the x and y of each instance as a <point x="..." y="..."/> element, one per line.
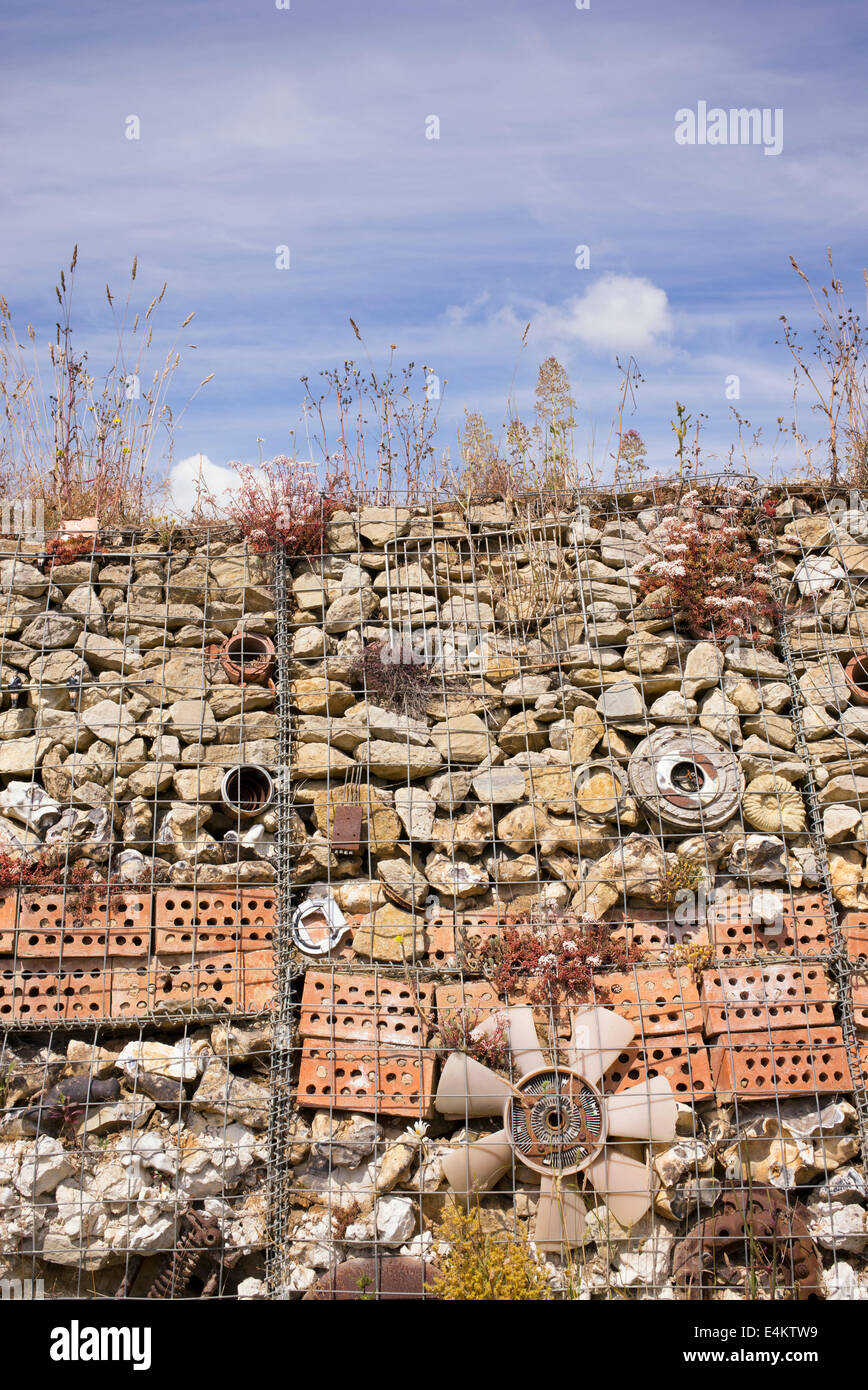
<point x="138" y="909"/>
<point x="428" y="828"/>
<point x="506" y="596"/>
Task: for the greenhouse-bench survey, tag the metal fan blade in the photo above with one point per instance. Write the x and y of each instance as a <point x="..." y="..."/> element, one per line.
<point x="624" y="1185"/>
<point x="478" y="1166"/>
<point x="645" y="1111"/>
<point x="560" y="1217"/>
<point x="467" y="1088"/>
<point x="598" y="1038"/>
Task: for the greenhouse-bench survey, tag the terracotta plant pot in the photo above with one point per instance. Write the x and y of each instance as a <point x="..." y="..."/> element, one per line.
<point x="856" y="672"/>
<point x="247" y="658"/>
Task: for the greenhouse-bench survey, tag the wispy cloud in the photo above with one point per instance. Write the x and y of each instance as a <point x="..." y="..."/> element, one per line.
<point x="307" y="127"/>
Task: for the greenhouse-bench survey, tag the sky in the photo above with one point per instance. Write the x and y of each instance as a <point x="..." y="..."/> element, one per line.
<point x="309" y="127"/>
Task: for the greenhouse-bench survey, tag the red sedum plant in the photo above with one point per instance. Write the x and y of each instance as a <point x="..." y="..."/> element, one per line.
<point x="281" y="503"/>
<point x="554" y="963"/>
<point x="715" y="576"/>
<point x="457" y="1035"/>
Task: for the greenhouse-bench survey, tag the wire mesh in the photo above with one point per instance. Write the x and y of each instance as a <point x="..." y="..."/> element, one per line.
<point x="285" y="840"/>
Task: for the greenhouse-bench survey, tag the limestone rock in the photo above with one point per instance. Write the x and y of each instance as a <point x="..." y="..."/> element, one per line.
<point x="20" y="757"/>
<point x="841" y="823"/>
<point x="107" y="654"/>
<point x="231" y="1098"/>
<point x="521" y="733"/>
<point x="403" y="882"/>
<point x="674" y="708"/>
<point x="463" y="739"/>
<point x="416" y="809"/>
<point x="756" y="663"/>
<point x="622" y="706"/>
<point x="51" y="630"/>
<point x="321" y="760"/>
<point x="192" y="720"/>
<point x="702" y="669"/>
<point x="450" y="788"/>
<point x="588" y="729"/>
<point x="760" y="858"/>
<point x="315" y="695"/>
<point x="634" y="869"/>
<point x="720" y="716"/>
<point x="350" y="610"/>
<point x="395" y="762"/>
<point x="453" y="878"/>
<point x="826" y="685"/>
<point x="391" y="935"/>
<point x="469" y="833"/>
<point x="500" y="786"/>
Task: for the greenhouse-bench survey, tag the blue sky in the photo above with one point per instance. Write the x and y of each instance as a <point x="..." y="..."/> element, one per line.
<point x="306" y="127"/>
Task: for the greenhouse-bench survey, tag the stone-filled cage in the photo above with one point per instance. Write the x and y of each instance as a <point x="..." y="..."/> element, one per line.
<point x="492" y="879"/>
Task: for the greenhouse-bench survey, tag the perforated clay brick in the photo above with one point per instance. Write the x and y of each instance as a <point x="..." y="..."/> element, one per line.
<point x="660" y="1002"/>
<point x="788" y="1062"/>
<point x="385" y="1080"/>
<point x="744" y="999"/>
<point x="685" y="1066"/>
<point x="363" y="1008"/>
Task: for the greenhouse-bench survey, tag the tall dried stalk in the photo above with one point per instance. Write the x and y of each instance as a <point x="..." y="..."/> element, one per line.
<point x="78" y="447"/>
<point x="835" y="374"/>
<point x="375" y="430"/>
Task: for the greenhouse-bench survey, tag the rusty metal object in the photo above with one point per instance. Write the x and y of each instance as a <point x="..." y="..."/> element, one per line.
<point x="755" y="1244"/>
<point x="248" y="659"/>
<point x="390" y="1276"/>
<point x="347" y="828"/>
<point x="686" y="779"/>
<point x="201" y="1237"/>
<point x="557" y="1121"/>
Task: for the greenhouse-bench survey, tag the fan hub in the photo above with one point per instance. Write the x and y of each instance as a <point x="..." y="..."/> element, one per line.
<point x="557" y="1124"/>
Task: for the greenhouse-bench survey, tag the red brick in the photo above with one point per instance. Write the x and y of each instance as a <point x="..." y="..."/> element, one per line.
<point x="791" y="1062"/>
<point x="685" y="1065"/>
<point x="854" y="925"/>
<point x="472" y="997"/>
<point x="37" y="993"/>
<point x="258" y="968"/>
<point x="8" y="917"/>
<point x="213" y="920"/>
<point x="131" y="995"/>
<point x="440" y="941"/>
<point x="450" y="937"/>
<point x="199" y="940"/>
<point x="661" y="1002"/>
<point x="474" y="929"/>
<point x="733" y="932"/>
<point x="385" y="1080"/>
<point x="363" y="1008"/>
<point x="116" y="907"/>
<point x="179" y="981"/>
<point x="749" y="998"/>
<point x="96" y="944"/>
<point x="649" y="930"/>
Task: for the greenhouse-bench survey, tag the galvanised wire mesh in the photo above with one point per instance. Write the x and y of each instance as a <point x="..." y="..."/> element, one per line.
<point x="472" y="885"/>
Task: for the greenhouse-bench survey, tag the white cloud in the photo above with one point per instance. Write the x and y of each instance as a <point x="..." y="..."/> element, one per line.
<point x="195" y="477"/>
<point x="620" y="313"/>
